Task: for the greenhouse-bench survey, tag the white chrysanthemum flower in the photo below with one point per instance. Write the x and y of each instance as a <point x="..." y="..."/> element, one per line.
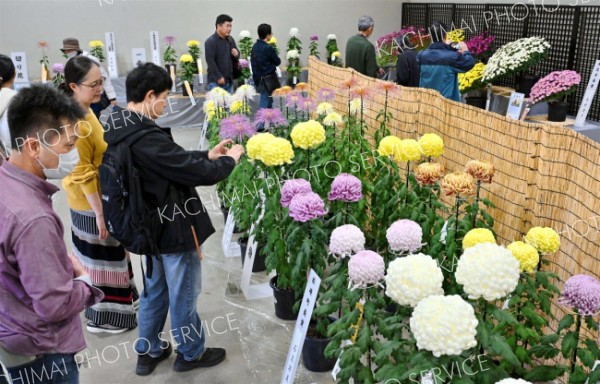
<point x="331" y="36"/>
<point x="324" y="109"/>
<point x="510" y="380"/>
<point x="292" y="54"/>
<point x="333" y="118"/>
<point x="245" y="33"/>
<point x="355" y="106"/>
<point x="346" y="240"/>
<point x="294" y="32"/>
<point x="487" y="270"/>
<point x="219" y="96"/>
<point x="405" y="236"/>
<point x="444" y="325"/>
<point x="412" y="278"/>
<point x="365" y="269"/>
<point x="245" y="91"/>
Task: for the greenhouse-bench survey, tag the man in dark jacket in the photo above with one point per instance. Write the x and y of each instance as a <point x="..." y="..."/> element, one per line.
<point x="264" y="62"/>
<point x="169" y="175"/>
<point x="360" y="53"/>
<point x="407" y="68"/>
<point x="441" y="63"/>
<point x="221" y="55"/>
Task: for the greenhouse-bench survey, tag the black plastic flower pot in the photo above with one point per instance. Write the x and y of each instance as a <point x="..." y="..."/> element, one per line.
<point x="184" y="89"/>
<point x="284" y="301"/>
<point x="525" y="83"/>
<point x="557" y="111"/>
<point x="313" y="353"/>
<point x="478" y="102"/>
<point x="259" y="259"/>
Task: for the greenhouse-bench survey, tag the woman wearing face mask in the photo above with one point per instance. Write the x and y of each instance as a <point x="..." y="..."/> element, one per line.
<point x="102" y="256"/>
<point x="7" y="78"/>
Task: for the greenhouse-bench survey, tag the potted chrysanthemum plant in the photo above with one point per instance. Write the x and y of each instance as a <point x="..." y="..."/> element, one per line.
<point x="271" y="154"/>
<point x="470" y="84"/>
<point x="554" y="89"/>
<point x="186" y="73"/>
<point x="332" y="48"/>
<point x="97" y="50"/>
<point x="170" y="55"/>
<point x="314" y="46"/>
<point x="194" y="51"/>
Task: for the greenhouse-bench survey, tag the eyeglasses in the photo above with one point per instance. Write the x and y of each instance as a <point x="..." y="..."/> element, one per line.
<point x="96" y="84"/>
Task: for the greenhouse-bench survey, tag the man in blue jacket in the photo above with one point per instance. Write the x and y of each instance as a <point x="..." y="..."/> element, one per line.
<point x="441" y="63"/>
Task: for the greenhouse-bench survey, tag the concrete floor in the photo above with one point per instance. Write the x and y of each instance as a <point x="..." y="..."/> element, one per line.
<point x="256" y="341"/>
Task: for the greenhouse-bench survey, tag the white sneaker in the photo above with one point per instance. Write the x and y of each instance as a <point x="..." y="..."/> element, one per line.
<point x="105" y="328"/>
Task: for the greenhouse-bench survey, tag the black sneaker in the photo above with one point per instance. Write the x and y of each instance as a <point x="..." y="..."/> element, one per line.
<point x="210" y="357"/>
<point x="146" y="363"/>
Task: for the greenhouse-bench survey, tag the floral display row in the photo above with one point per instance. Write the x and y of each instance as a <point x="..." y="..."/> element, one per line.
<point x="411" y="287"/>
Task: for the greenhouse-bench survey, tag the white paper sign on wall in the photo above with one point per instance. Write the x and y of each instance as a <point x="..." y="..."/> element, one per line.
<point x="20" y="61"/>
<point x="138" y="56"/>
<point x="155" y="47"/>
<point x="306" y="308"/>
<point x="111" y="54"/>
<point x="588" y="96"/>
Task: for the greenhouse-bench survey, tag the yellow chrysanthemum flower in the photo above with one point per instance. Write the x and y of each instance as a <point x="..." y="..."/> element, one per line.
<point x="336" y="54"/>
<point x="238" y="107"/>
<point x="410" y="150"/>
<point x="308" y="135"/>
<point x="431" y="145"/>
<point x="186" y="58"/>
<point x="471" y="79"/>
<point x="456" y="35"/>
<point x="332" y="118"/>
<point x="390" y="146"/>
<point x="193" y="43"/>
<point x="273" y="40"/>
<point x="478" y="236"/>
<point x="527" y="256"/>
<point x="277" y="151"/>
<point x="545" y="240"/>
<point x="324" y="109"/>
<point x="96" y="44"/>
<point x="255" y="144"/>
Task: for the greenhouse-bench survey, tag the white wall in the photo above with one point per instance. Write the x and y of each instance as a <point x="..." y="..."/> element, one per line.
<point x="25" y="22"/>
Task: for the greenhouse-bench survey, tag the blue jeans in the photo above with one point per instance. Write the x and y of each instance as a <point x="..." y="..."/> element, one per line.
<point x="175" y="284"/>
<point x="227" y="86"/>
<point x="266" y="101"/>
<point x="54" y="368"/>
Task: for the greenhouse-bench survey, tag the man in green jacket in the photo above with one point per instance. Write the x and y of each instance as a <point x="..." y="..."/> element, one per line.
<point x="360" y="53"/>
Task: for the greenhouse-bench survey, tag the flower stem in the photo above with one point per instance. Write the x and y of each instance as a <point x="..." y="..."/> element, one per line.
<point x="476" y="203"/>
<point x="577" y="329"/>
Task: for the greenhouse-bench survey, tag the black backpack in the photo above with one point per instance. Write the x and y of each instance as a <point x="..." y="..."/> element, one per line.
<point x="128" y="219"/>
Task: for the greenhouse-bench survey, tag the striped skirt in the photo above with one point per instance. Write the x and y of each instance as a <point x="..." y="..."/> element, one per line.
<point x="110" y="270"/>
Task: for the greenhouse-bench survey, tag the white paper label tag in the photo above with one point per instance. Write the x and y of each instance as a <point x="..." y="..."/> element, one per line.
<point x="230" y="249"/>
<point x="155" y="47"/>
<point x="111" y="51"/>
<point x="337" y="368"/>
<point x="588" y="96"/>
<point x="278" y="72"/>
<point x="203" y="133"/>
<point x="20" y="61"/>
<point x="306" y="308"/>
<point x="444" y="233"/>
<point x="295" y="80"/>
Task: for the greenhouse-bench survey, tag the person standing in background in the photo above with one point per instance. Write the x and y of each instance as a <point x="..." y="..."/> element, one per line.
<point x="109" y="96"/>
<point x="264" y="62"/>
<point x="43" y="289"/>
<point x="407" y="67"/>
<point x="105" y="259"/>
<point x="441" y="63"/>
<point x="7" y="78"/>
<point x="220" y="52"/>
<point x="360" y="53"/>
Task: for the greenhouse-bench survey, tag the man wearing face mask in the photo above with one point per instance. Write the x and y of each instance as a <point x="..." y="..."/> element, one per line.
<point x="71" y="49"/>
<point x="43" y="289"/>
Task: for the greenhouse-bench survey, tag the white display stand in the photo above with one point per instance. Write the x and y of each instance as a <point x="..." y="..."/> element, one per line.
<point x="230" y="249"/>
<point x="111" y="54"/>
<point x="20" y="61"/>
<point x="203" y="132"/>
<point x="308" y="304"/>
<point x="588" y="96"/>
<point x="155" y="47"/>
